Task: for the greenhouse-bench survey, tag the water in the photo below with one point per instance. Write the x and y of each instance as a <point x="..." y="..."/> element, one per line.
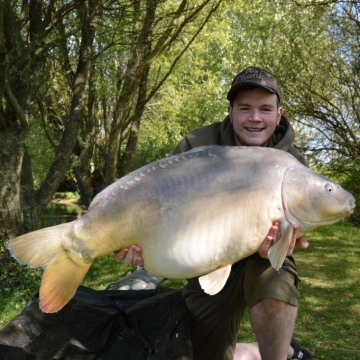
<point x="56" y="213"/>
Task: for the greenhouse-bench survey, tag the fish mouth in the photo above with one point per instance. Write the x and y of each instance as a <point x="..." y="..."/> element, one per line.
<point x="350" y="208"/>
<point x="348" y="212"/>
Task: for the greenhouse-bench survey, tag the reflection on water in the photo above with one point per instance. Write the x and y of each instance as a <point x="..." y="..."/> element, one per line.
<point x="56" y="213"/>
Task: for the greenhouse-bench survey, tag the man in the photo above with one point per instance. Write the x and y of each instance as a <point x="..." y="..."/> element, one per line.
<point x="255" y="118"/>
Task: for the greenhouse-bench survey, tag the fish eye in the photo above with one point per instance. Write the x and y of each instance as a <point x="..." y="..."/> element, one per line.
<point x="329" y="188"/>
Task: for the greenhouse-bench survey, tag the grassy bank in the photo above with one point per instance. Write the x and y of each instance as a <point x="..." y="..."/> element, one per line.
<point x="329" y="312"/>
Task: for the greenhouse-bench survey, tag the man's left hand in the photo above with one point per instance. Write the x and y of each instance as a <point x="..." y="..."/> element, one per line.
<point x="300" y="243"/>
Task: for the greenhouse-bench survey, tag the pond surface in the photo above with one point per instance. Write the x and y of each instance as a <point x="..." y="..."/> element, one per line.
<point x="56" y="213"/>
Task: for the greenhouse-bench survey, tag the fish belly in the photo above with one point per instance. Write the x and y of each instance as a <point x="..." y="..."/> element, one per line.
<point x="200" y="237"/>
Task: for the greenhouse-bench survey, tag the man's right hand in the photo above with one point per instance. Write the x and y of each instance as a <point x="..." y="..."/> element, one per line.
<point x="131" y="255"/>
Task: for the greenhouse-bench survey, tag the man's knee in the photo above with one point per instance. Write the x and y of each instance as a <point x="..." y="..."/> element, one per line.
<point x="269" y="308"/>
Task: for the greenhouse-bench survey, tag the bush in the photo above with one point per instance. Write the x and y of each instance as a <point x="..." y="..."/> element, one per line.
<point x="352" y="184"/>
<point x="17" y="284"/>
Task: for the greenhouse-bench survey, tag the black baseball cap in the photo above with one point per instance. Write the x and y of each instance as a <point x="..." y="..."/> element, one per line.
<point x="255" y="76"/>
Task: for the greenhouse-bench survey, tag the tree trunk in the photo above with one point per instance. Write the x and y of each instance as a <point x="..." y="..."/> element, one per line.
<point x="135" y="126"/>
<point x="13" y="126"/>
<point x="23" y="76"/>
<point x="11" y="157"/>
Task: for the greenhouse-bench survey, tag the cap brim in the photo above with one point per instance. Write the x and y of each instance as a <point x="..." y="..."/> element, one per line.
<point x="236" y="88"/>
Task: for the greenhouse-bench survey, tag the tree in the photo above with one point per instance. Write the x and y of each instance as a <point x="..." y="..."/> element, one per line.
<point x="145" y="73"/>
<point x="312" y="47"/>
<point x="82" y="71"/>
<point x="291" y="39"/>
<point x="26" y="50"/>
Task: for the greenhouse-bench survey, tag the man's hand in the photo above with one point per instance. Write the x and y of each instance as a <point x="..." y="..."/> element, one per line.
<point x="131" y="255"/>
<point x="300" y="243"/>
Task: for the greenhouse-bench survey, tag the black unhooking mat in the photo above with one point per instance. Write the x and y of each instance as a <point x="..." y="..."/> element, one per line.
<point x="110" y="324"/>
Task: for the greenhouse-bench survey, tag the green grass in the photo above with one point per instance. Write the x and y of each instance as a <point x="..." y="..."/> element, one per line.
<point x="329" y="312"/>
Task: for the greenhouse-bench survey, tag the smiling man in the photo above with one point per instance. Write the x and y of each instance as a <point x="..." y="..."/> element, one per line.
<point x="255" y="118"/>
<point x="254" y="115"/>
<point x="254" y="109"/>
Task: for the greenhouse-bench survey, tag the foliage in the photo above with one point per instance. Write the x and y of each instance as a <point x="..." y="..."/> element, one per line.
<point x="66" y="196"/>
<point x="351" y="183"/>
<point x="347" y="174"/>
<point x="76" y="77"/>
<point x="290" y="39"/>
<point x="156" y="70"/>
<point x="17" y="284"/>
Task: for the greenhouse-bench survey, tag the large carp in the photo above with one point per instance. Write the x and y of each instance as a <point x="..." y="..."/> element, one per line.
<point x="193" y="214"/>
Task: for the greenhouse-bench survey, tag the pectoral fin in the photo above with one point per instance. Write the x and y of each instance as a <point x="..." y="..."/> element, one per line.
<point x="278" y="251"/>
<point x="213" y="282"/>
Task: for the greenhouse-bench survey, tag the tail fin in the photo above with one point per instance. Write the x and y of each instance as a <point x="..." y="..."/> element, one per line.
<point x="37" y="248"/>
<point x="60" y="282"/>
<point x="61" y="278"/>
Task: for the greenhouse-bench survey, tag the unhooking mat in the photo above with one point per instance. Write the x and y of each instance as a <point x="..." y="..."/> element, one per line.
<point x="110" y="324"/>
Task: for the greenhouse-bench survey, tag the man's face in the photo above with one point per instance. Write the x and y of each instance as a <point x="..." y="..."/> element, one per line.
<point x="254" y="116"/>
